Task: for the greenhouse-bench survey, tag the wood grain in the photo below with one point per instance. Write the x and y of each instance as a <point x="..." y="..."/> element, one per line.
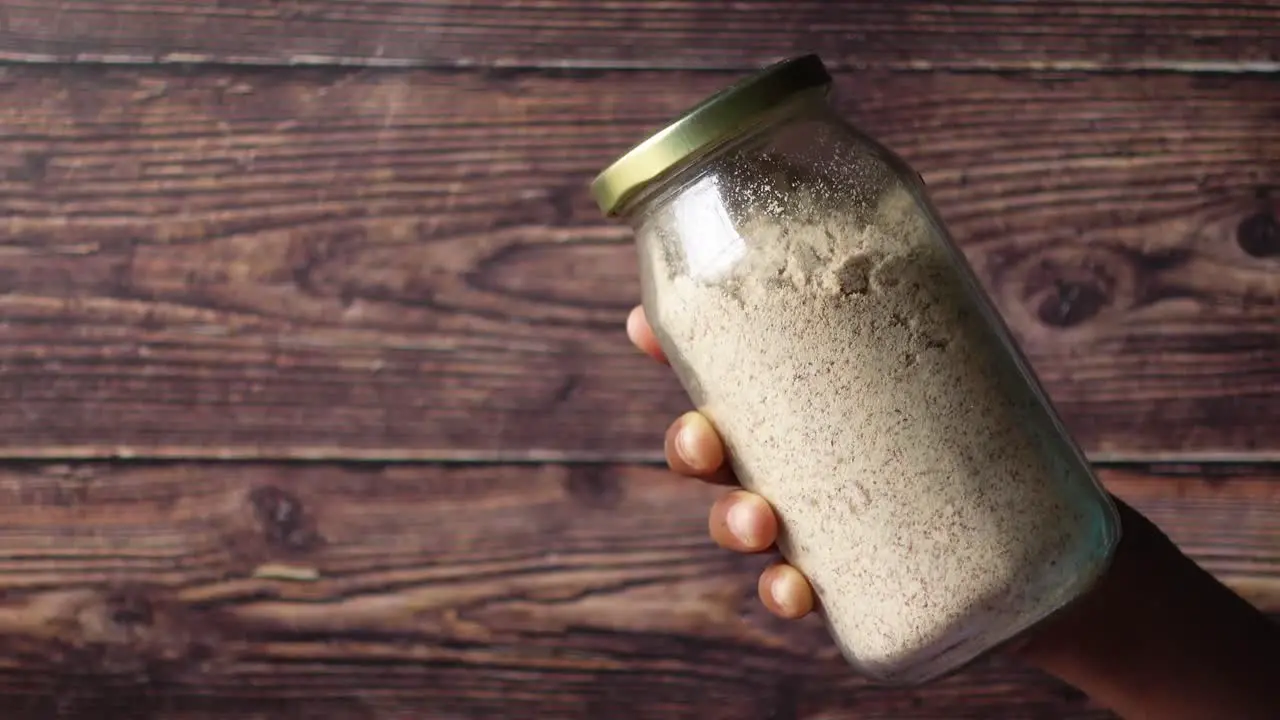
<point x="468" y="591"/>
<point x="1184" y="35"/>
<point x="311" y="264"/>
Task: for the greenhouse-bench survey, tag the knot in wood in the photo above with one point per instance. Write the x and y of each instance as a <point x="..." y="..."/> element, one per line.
<point x="594" y="486"/>
<point x="283" y="518"/>
<point x="129" y="631"/>
<point x="1069" y="284"/>
<point x="1259" y="235"/>
<point x="129" y="609"/>
<point x="1071" y="303"/>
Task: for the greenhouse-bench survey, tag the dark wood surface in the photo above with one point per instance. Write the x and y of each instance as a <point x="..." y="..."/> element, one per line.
<point x="209" y="253"/>
<point x="1077" y="34"/>
<point x="331" y="263"/>
<point x="463" y="590"/>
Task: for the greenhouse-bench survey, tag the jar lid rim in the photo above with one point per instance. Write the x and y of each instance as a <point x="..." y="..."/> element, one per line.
<point x="714" y="120"/>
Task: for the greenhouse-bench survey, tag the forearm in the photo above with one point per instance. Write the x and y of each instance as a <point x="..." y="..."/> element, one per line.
<point x="1160" y="638"/>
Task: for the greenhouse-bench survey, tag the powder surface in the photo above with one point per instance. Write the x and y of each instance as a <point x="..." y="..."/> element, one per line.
<point x="921" y="484"/>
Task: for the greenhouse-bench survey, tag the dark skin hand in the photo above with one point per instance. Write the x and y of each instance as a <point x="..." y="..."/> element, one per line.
<point x="1158" y="638"/>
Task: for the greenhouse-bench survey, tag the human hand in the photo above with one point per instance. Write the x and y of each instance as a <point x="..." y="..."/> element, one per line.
<point x="740" y="521"/>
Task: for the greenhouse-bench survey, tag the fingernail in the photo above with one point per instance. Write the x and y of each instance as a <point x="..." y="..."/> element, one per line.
<point x="739" y="521"/>
<point x="781" y="597"/>
<point x="684" y="443"/>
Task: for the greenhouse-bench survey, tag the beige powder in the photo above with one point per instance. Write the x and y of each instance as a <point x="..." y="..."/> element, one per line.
<point x="861" y="391"/>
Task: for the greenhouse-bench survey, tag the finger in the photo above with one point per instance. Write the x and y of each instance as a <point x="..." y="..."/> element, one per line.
<point x="743" y="522"/>
<point x="642" y="336"/>
<point x="693" y="449"/>
<point x="785" y="592"/>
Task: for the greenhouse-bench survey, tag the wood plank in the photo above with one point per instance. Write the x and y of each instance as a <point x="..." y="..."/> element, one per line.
<point x="377" y="592"/>
<point x="1197" y="35"/>
<point x="406" y="264"/>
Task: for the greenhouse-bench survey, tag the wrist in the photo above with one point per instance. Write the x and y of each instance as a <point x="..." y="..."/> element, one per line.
<point x="1065" y="639"/>
<point x="1159" y="637"/>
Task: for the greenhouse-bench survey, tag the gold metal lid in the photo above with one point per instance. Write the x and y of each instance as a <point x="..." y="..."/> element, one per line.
<point x="716" y="119"/>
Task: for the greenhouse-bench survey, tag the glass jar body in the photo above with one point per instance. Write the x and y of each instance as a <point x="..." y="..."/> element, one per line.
<point x="816" y="310"/>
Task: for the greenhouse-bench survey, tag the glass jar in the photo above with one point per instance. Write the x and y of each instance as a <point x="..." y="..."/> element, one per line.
<point x="816" y="310"/>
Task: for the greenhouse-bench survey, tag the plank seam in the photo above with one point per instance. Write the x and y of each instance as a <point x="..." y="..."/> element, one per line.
<point x="1185" y="67"/>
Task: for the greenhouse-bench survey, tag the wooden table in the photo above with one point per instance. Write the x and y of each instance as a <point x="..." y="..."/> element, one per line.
<point x="316" y="402"/>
